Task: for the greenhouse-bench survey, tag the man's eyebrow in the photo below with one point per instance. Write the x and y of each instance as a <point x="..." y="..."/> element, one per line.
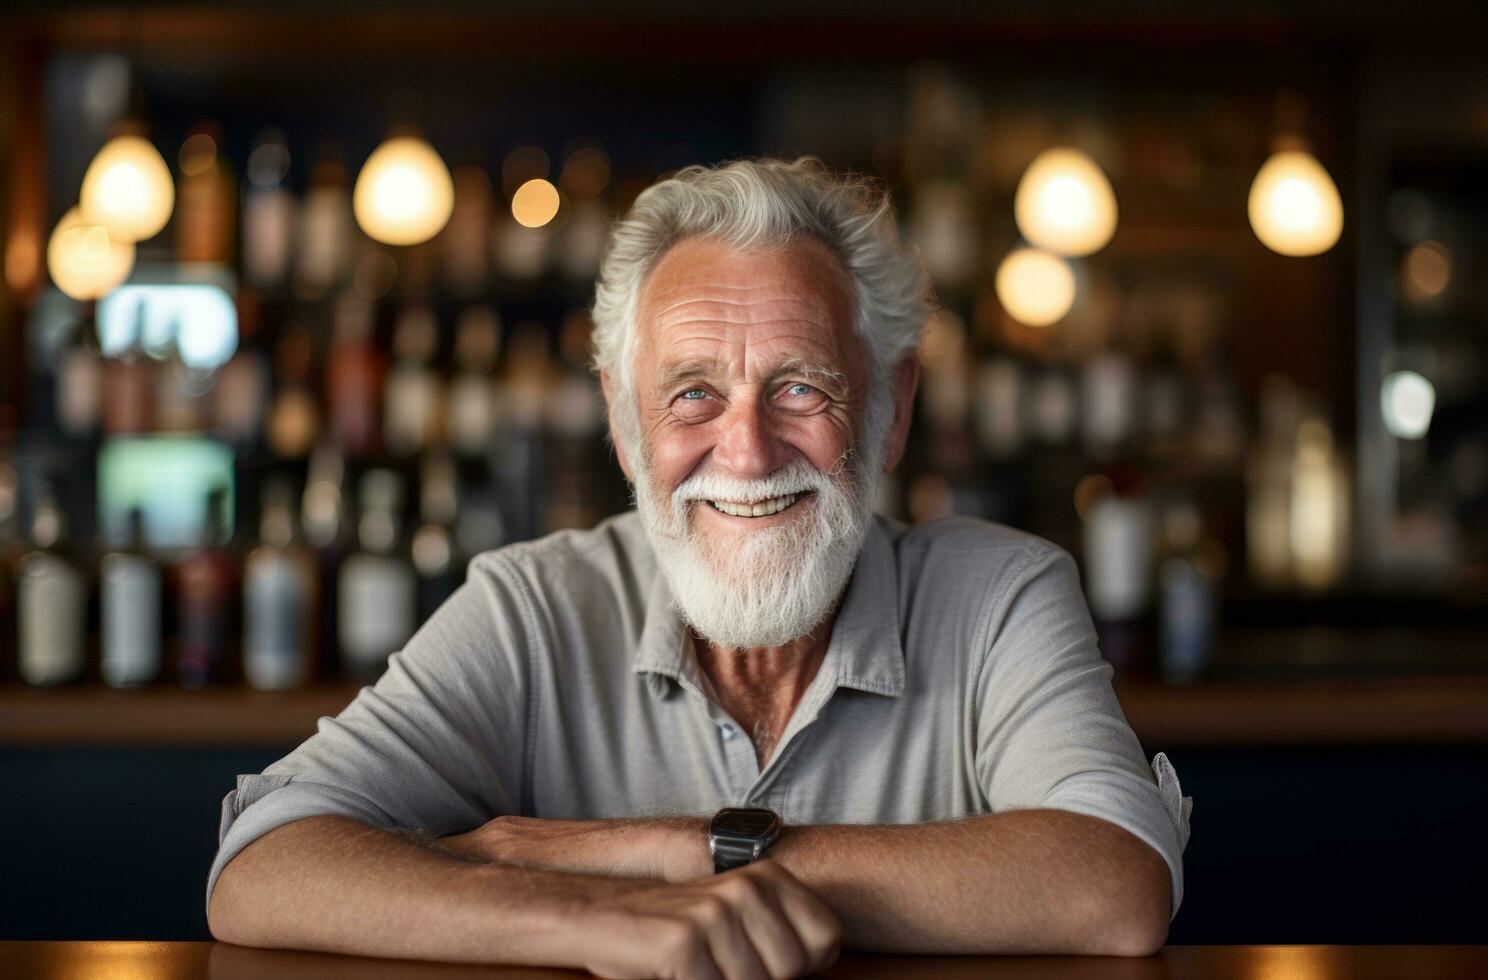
<point x="674" y="374"/>
<point x="815" y="370"/>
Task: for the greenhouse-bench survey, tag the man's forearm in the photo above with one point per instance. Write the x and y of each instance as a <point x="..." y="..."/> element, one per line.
<point x="1031" y="881"/>
<point x="336" y="885"/>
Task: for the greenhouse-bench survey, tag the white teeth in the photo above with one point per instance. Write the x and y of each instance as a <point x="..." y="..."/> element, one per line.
<point x="762" y="509"/>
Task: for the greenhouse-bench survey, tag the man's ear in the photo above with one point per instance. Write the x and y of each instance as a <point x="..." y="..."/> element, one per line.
<point x="905" y="381"/>
<point x="608" y="387"/>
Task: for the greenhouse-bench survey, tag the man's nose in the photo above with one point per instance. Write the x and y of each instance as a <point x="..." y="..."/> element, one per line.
<point x="748" y="446"/>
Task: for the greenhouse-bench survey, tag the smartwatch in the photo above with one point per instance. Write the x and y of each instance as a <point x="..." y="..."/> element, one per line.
<point x="739" y="835"/>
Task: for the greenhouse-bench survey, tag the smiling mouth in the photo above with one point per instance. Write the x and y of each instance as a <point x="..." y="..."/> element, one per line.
<point x="762" y="508"/>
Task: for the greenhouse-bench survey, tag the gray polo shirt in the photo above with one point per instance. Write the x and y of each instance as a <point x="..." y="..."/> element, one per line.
<point x="962" y="678"/>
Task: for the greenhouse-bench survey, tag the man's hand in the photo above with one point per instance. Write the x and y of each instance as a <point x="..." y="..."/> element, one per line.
<point x="750" y="923"/>
<point x="661" y="848"/>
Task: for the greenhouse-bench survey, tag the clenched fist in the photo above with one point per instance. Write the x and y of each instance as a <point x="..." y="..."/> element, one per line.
<point x="752" y="923"/>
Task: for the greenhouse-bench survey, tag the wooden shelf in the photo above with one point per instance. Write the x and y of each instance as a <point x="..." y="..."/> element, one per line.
<point x="165" y="716"/>
<point x="1335" y="711"/>
<point x="1400" y="710"/>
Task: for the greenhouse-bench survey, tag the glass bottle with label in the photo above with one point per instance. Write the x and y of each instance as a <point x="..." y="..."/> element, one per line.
<point x="377" y="593"/>
<point x="415" y="394"/>
<point x="323" y="520"/>
<point x="294" y="419"/>
<point x="206" y="199"/>
<point x="10" y="555"/>
<point x="439" y="568"/>
<point x="268" y="213"/>
<point x="130" y="602"/>
<point x="51" y="601"/>
<point x="474" y="406"/>
<point x="206" y="589"/>
<point x="327" y="232"/>
<point x="280" y="588"/>
<point x="355" y="369"/>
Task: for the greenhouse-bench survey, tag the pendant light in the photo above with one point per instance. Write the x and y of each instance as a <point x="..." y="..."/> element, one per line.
<point x="1294" y="205"/>
<point x="1065" y="204"/>
<point x="404" y="194"/>
<point x="128" y="188"/>
<point x="84" y="260"/>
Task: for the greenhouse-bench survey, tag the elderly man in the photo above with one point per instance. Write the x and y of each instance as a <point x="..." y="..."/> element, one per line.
<point x="750" y="721"/>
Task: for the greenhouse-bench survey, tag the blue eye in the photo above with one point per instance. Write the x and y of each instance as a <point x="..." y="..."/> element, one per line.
<point x="801" y="389"/>
<point x="694" y="394"/>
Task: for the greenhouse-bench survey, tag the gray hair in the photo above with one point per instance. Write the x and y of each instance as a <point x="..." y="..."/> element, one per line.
<point x="765" y="202"/>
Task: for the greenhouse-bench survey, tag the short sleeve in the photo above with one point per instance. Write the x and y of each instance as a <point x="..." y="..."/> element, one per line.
<point x="437" y="744"/>
<point x="1051" y="733"/>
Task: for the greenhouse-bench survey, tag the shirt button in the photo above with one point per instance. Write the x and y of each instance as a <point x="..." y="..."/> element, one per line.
<point x="729" y="731"/>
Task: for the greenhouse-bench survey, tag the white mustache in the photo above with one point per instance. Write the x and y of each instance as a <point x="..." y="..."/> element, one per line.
<point x="797" y="477"/>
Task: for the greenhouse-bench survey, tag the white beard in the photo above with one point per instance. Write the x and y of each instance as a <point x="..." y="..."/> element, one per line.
<point x="768" y="586"/>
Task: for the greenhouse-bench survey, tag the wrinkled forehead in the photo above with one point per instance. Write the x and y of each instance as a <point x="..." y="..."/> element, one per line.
<point x="704" y="290"/>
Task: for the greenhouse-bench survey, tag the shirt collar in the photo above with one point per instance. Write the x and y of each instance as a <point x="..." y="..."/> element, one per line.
<point x="866" y="650"/>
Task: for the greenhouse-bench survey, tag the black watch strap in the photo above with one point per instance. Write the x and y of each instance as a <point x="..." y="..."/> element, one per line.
<point x="729" y="854"/>
<point x="739" y="835"/>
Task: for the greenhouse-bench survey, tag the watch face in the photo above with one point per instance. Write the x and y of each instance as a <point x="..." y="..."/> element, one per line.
<point x="744" y="823"/>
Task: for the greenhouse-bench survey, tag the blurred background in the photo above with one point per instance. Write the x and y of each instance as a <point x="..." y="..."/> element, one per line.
<point x="293" y="322"/>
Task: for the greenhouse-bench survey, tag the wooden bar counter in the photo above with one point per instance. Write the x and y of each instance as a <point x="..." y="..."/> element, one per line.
<point x="221" y="961"/>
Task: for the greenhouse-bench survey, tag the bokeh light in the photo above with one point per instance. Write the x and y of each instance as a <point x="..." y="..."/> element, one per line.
<point x="1036" y="287"/>
<point x="404" y="194"/>
<point x="1406" y="401"/>
<point x="535" y="203"/>
<point x="1065" y="203"/>
<point x="1294" y="205"/>
<point x="84" y="260"/>
<point x="1427" y="271"/>
<point x="128" y="190"/>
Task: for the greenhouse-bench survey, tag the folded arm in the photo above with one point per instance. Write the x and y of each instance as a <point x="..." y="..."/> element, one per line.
<point x="1022" y="881"/>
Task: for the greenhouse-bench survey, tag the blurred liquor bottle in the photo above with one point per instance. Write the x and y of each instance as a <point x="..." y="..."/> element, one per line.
<point x="239" y="398"/>
<point x="11" y="551"/>
<point x="294" y="418"/>
<point x="327" y="232"/>
<point x="206" y="203"/>
<point x="1119" y="567"/>
<point x="355" y="372"/>
<point x="1109" y="405"/>
<point x="414" y="400"/>
<point x="474" y="404"/>
<point x="130" y="602"/>
<point x="440" y="567"/>
<point x="269" y="214"/>
<point x="280" y="598"/>
<point x="377" y="597"/>
<point x="527" y="386"/>
<point x="51" y="600"/>
<point x="323" y="519"/>
<point x="206" y="599"/>
<point x="1190" y="580"/>
<point x="178" y="392"/>
<point x="577" y="471"/>
<point x="79" y="390"/>
<point x="465" y="243"/>
<point x="129" y="387"/>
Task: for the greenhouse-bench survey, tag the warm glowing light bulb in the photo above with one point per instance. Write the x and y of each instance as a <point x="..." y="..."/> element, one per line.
<point x="1065" y="203"/>
<point x="535" y="203"/>
<point x="1035" y="287"/>
<point x="128" y="190"/>
<point x="1294" y="205"/>
<point x="84" y="260"/>
<point x="404" y="194"/>
<point x="1407" y="401"/>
